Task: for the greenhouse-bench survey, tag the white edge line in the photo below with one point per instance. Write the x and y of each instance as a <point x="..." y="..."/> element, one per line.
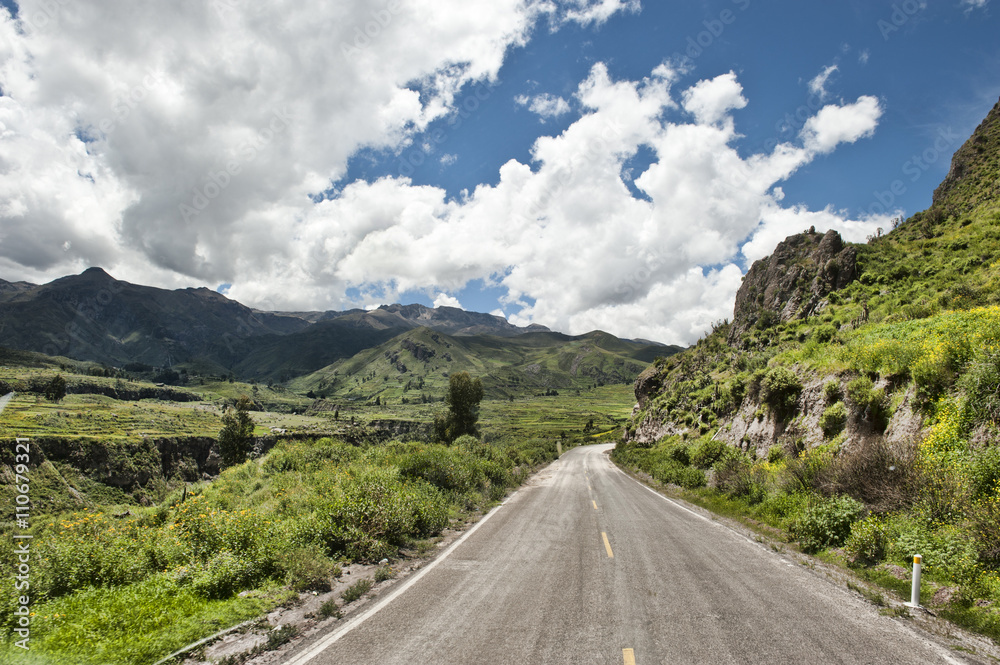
<point x="943" y="652"/>
<point x="324" y="644"/>
<point x="681" y="506"/>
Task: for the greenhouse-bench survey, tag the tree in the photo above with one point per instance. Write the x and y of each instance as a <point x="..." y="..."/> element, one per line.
<point x="464" y="396"/>
<point x="236" y="436"/>
<point x="56" y="389"/>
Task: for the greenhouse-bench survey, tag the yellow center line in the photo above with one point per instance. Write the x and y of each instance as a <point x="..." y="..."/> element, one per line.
<point x="595" y="504"/>
<point x="629" y="656"/>
<point x="607" y="545"/>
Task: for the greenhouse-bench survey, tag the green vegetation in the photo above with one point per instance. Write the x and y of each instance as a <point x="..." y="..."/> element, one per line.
<point x="867" y="430"/>
<point x="236" y="435"/>
<point x="464" y="396"/>
<point x="356" y="590"/>
<point x="265" y="527"/>
<point x="415" y="367"/>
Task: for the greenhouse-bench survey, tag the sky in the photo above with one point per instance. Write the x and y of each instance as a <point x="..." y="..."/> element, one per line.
<point x="580" y="164"/>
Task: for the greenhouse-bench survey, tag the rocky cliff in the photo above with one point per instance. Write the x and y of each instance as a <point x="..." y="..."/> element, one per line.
<point x="793" y="281"/>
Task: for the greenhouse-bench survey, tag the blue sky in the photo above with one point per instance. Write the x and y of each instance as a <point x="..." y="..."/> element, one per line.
<point x="581" y="164"/>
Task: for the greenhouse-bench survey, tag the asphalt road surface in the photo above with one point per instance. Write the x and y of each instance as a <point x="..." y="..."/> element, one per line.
<point x="586" y="565"/>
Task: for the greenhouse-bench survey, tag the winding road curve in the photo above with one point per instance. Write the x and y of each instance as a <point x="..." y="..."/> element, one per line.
<point x="585" y="565"/>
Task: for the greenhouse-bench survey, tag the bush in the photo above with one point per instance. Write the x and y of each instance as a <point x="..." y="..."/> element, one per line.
<point x="826" y="523"/>
<point x="873" y="471"/>
<point x="734" y="476"/>
<point x="779" y="389"/>
<point x="356" y="590"/>
<point x="833" y="420"/>
<point x="832" y="392"/>
<point x="375" y="513"/>
<point x="824" y="333"/>
<point x="944" y="549"/>
<point x="675" y="473"/>
<point x="225" y="574"/>
<point x="870" y="540"/>
<point x="308" y="569"/>
<point x="870" y="405"/>
<point x="707" y="452"/>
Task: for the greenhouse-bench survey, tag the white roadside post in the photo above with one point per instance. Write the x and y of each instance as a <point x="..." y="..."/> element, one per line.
<point x="915" y="589"/>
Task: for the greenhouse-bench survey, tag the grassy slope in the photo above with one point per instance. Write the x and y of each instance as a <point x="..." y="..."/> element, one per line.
<point x="419" y="362"/>
<point x="932" y="340"/>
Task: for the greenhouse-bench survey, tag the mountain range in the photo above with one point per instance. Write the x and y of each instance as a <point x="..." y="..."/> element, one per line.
<point x="95" y="317"/>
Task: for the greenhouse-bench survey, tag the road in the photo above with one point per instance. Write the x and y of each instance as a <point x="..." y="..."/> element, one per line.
<point x="586" y="565"/>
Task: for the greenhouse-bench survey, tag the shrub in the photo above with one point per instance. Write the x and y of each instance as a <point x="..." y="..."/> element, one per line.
<point x="870" y="405"/>
<point x="873" y="471"/>
<point x="985" y="528"/>
<point x="308" y="569"/>
<point x="356" y="590"/>
<point x="707" y="452"/>
<point x="375" y="513"/>
<point x="870" y="540"/>
<point x="826" y="523"/>
<point x="832" y="392"/>
<point x="225" y="574"/>
<point x="734" y="476"/>
<point x="780" y="389"/>
<point x="833" y="420"/>
<point x="824" y="333"/>
<point x="944" y="549"/>
<point x="329" y="608"/>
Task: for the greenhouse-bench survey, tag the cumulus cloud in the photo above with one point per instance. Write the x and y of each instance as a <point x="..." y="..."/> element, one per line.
<point x="565" y="237"/>
<point x="544" y="105"/>
<point x="974" y="4"/>
<point x="834" y="125"/>
<point x="190" y="149"/>
<point x="711" y="100"/>
<point x="445" y="300"/>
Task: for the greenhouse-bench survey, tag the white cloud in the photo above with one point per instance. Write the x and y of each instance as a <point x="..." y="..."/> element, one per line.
<point x="586" y="12"/>
<point x="833" y="125"/>
<point x="565" y="237"/>
<point x="544" y="105"/>
<point x="817" y="85"/>
<point x="445" y="300"/>
<point x="864" y="57"/>
<point x="711" y="100"/>
<point x="971" y="5"/>
<point x="105" y="133"/>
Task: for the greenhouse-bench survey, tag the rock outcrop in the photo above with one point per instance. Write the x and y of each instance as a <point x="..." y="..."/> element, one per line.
<point x="793" y="281"/>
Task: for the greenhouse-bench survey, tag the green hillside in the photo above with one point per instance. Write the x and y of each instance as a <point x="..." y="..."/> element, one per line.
<point x="865" y="426"/>
<point x="415" y="366"/>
